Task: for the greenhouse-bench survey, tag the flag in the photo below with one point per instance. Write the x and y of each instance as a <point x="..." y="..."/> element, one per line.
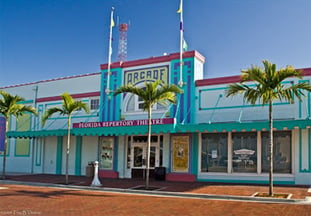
<point x="184" y="45"/>
<point x="111" y="18"/>
<point x="180" y="7"/>
<point x="112" y="22"/>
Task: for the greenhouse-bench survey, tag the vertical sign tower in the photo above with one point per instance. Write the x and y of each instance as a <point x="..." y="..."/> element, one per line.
<point x="122" y="49"/>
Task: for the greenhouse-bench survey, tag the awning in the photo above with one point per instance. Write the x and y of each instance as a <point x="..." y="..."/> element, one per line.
<point x="168" y="128"/>
<point x="100" y="131"/>
<point x="42" y="133"/>
<point x="121" y="131"/>
<point x="244" y="126"/>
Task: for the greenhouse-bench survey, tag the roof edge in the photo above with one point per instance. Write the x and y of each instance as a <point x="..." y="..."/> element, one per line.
<point x="153" y="60"/>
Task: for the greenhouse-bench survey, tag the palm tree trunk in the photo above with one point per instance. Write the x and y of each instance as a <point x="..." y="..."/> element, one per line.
<point x="67" y="150"/>
<point x="148" y="147"/>
<point x="4" y="148"/>
<point x="271" y="150"/>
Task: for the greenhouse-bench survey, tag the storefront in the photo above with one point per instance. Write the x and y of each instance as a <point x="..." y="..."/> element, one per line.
<point x="204" y="137"/>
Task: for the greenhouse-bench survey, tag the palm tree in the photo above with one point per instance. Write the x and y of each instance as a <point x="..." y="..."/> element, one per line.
<point x="268" y="88"/>
<point x="10" y="105"/>
<point x="151" y="94"/>
<point x="69" y="105"/>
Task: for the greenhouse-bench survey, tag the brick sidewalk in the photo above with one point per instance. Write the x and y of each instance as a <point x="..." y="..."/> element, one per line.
<point x="298" y="192"/>
<point x="45" y="201"/>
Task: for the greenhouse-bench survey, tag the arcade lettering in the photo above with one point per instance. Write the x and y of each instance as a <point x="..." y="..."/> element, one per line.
<point x="148" y="74"/>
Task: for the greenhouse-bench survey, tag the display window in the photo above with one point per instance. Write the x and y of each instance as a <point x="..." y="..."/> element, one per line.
<point x="281" y="151"/>
<point x="245" y="155"/>
<point x="106" y="152"/>
<point x="244" y="152"/>
<point x="214" y="155"/>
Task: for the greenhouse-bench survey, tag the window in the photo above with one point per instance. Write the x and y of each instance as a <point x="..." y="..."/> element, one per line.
<point x="140" y="103"/>
<point x="244" y="152"/>
<point x="161" y="151"/>
<point x="106" y="153"/>
<point x="136" y="104"/>
<point x="214" y="152"/>
<point x="95" y="104"/>
<point x="281" y="149"/>
<point x="130" y="106"/>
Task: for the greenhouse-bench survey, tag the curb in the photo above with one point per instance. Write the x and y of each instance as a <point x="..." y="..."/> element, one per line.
<point x="307" y="200"/>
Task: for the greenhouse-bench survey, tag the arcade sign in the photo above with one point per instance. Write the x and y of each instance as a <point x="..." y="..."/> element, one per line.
<point x="146" y="74"/>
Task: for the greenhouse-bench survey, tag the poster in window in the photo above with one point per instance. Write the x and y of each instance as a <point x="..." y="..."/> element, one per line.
<point x="106" y="152"/>
<point x="180" y="153"/>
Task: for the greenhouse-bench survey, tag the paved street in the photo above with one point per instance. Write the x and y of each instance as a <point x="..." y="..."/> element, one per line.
<point x="34" y="200"/>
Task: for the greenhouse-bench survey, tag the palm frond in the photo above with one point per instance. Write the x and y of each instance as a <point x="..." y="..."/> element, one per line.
<point x="235" y="88"/>
<point x="295" y="90"/>
<point x="152" y="93"/>
<point x="10" y="105"/>
<point x="49" y="112"/>
<point x="130" y="89"/>
<point x="288" y="72"/>
<point x="268" y="84"/>
<point x="80" y="105"/>
<point x="27" y="109"/>
<point x="67" y="101"/>
<point x="167" y="93"/>
<point x="253" y="74"/>
<point x="69" y="105"/>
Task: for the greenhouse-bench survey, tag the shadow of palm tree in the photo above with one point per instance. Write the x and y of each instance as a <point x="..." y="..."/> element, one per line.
<point x="56" y="193"/>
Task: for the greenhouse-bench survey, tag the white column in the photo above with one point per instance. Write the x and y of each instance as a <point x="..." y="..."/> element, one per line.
<point x="96" y="181"/>
<point x="259" y="153"/>
<point x="229" y="152"/>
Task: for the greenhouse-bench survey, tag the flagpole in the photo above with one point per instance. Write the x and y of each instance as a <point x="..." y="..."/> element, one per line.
<point x="181" y="44"/>
<point x="109" y="52"/>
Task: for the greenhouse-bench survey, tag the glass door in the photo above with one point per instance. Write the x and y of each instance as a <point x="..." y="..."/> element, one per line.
<point x="139" y="152"/>
<point x="137" y="155"/>
<point x="153" y="157"/>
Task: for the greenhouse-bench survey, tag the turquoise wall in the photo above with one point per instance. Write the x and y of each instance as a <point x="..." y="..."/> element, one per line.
<point x="109" y="104"/>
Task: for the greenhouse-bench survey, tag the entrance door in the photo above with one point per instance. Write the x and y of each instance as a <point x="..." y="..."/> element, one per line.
<point x="139" y="157"/>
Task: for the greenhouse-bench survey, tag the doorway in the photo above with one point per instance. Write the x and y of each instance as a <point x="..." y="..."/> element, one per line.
<point x="138" y="155"/>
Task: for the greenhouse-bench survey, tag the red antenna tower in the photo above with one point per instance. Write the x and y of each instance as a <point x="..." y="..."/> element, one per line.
<point x="122" y="49"/>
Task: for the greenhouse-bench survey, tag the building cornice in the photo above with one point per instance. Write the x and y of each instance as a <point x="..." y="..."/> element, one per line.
<point x="154" y="60"/>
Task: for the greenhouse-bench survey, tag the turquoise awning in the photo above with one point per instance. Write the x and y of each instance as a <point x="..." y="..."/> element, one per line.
<point x="121" y="131"/>
<point x="168" y="128"/>
<point x="244" y="126"/>
<point x="100" y="131"/>
<point x="42" y="133"/>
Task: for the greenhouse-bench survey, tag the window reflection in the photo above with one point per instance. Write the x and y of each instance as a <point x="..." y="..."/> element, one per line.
<point x="106" y="153"/>
<point x="244" y="154"/>
<point x="282" y="152"/>
<point x="214" y="152"/>
<point x="138" y="157"/>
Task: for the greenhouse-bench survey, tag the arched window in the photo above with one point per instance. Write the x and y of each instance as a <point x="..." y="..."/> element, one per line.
<point x="133" y="103"/>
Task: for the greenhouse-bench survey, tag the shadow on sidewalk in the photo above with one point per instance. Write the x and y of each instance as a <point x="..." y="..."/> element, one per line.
<point x="298" y="192"/>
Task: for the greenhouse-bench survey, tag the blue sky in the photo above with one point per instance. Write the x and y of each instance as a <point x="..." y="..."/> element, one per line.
<point x="45" y="39"/>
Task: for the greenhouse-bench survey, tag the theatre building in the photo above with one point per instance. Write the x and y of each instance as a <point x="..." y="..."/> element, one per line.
<point x="204" y="137"/>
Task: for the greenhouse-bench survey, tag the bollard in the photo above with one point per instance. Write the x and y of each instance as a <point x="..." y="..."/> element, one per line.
<point x="96" y="181"/>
